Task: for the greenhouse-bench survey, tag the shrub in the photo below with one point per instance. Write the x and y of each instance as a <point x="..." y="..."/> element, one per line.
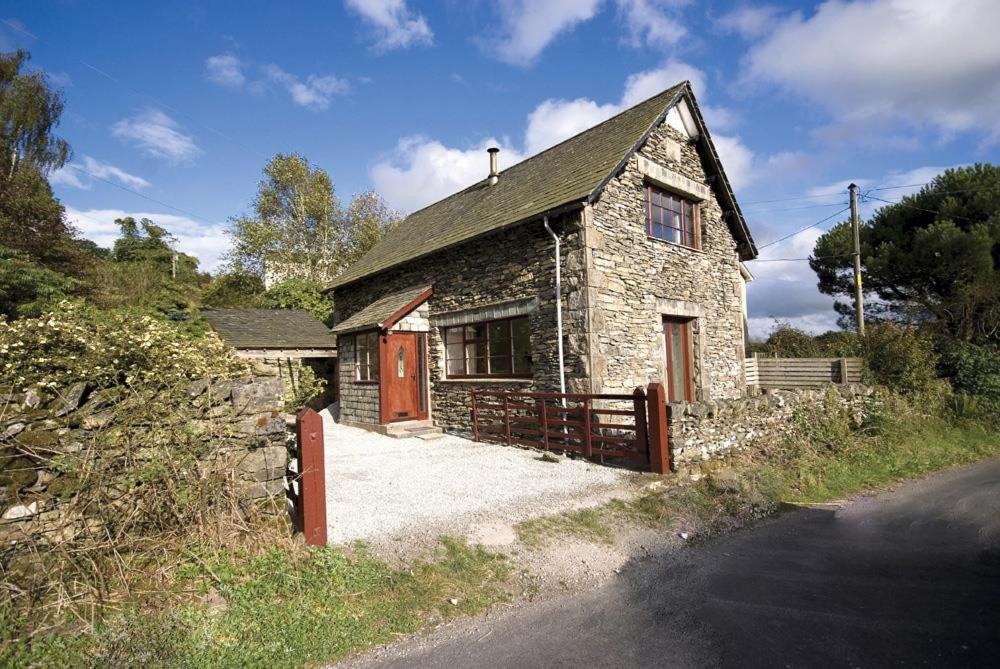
<point x="900" y="358"/>
<point x="106" y="348"/>
<point x="300" y="294"/>
<point x="974" y="373"/>
<point x="26" y="287"/>
<point x="786" y="341"/>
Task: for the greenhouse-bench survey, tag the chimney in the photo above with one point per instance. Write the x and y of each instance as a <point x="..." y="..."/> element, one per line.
<point x="494" y="175"/>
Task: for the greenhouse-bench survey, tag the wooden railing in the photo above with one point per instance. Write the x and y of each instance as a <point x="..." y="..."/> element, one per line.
<point x="606" y="427"/>
<point x="801" y="372"/>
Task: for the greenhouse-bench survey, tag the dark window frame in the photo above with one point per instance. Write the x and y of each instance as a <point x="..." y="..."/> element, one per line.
<point x="660" y="205"/>
<point x="367" y="371"/>
<point x="485" y="341"/>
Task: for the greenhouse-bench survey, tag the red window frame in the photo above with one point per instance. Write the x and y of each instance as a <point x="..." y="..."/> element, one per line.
<point x="672" y="218"/>
<point x="485" y="353"/>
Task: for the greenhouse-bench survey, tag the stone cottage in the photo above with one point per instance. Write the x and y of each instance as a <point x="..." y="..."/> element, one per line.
<point x="626" y="239"/>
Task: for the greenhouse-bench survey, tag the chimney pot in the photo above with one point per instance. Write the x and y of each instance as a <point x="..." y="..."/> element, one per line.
<point x="494" y="174"/>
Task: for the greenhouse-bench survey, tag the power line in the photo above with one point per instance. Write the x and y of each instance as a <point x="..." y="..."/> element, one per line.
<point x="14" y="26"/>
<point x="811" y="206"/>
<point x="912" y="206"/>
<point x="840" y="255"/>
<point x="790" y="199"/>
<point x="142" y="195"/>
<point x="801" y="230"/>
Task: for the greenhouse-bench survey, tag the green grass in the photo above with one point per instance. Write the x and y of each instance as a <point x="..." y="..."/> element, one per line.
<point x="828" y="461"/>
<point x="282" y="612"/>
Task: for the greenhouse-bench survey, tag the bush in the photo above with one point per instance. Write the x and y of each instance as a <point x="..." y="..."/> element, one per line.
<point x="300" y="294"/>
<point x="106" y="348"/>
<point x="974" y="373"/>
<point x="235" y="290"/>
<point x="786" y="341"/>
<point x="901" y="359"/>
<point x="25" y="288"/>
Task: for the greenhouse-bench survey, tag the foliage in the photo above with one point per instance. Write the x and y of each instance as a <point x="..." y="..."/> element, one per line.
<point x="26" y="287"/>
<point x="29" y="112"/>
<point x="974" y="373"/>
<point x="299" y="229"/>
<point x="302" y="387"/>
<point x="233" y="290"/>
<point x="900" y="358"/>
<point x="934" y="256"/>
<point x="786" y="341"/>
<point x="299" y="294"/>
<point x="105" y="348"/>
<point x="283" y="608"/>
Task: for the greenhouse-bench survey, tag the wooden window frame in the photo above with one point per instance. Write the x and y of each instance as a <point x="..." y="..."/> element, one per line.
<point x="689" y="238"/>
<point x="486" y="344"/>
<point x="371" y="364"/>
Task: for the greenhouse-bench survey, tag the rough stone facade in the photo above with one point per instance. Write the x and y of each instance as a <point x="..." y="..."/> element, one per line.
<point x="482" y="272"/>
<point x="633" y="281"/>
<point x="618" y="284"/>
<point x="703" y="432"/>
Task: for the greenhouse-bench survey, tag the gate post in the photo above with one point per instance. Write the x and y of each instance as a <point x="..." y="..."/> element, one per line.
<point x="641" y="434"/>
<point x="659" y="435"/>
<point x="312" y="473"/>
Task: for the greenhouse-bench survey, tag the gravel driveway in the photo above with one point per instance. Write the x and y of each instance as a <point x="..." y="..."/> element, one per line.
<point x="381" y="488"/>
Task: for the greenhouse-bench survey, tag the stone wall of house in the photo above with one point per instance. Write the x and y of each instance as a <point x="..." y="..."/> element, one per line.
<point x="43" y="443"/>
<point x="359" y="401"/>
<point x="508" y="265"/>
<point x="707" y="431"/>
<point x="632" y="281"/>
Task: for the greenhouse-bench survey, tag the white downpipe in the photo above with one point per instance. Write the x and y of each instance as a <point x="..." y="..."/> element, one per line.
<point x="559" y="324"/>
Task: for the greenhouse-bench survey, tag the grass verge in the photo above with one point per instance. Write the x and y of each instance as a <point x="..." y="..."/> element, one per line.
<point x="277" y="610"/>
<point x="824" y="458"/>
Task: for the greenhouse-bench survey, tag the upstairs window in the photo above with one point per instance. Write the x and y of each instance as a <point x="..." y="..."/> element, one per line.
<point x="499" y="348"/>
<point x="366" y="356"/>
<point x="672" y="218"/>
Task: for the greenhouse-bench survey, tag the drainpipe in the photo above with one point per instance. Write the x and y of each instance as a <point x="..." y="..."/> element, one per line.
<point x="559" y="327"/>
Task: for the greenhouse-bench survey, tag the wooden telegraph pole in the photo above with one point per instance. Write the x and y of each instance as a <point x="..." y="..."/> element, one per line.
<point x="859" y="298"/>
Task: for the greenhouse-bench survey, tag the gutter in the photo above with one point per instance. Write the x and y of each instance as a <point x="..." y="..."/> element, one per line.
<point x="559" y="324"/>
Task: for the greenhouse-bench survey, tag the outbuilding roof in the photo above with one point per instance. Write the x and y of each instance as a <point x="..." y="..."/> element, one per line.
<point x="270" y="328"/>
<point x="385" y="312"/>
<point x="571" y="172"/>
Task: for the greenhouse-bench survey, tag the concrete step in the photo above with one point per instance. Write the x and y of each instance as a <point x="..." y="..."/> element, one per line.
<point x="423" y="429"/>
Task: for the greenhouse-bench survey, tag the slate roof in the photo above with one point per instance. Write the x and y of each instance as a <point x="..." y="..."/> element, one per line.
<point x="379" y="311"/>
<point x="573" y="171"/>
<point x="270" y="328"/>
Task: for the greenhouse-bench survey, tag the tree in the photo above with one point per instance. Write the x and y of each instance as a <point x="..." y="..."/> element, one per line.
<point x="29" y="112"/>
<point x="26" y="288"/>
<point x="933" y="258"/>
<point x="299" y="229"/>
<point x="300" y="294"/>
<point x="234" y="290"/>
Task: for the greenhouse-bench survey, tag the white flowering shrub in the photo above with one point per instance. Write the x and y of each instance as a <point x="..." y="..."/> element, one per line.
<point x="106" y="348"/>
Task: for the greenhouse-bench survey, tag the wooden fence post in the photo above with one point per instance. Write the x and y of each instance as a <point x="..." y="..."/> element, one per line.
<point x="842" y="364"/>
<point x="588" y="445"/>
<point x="639" y="406"/>
<point x="545" y="423"/>
<point x="312" y="473"/>
<point x="659" y="434"/>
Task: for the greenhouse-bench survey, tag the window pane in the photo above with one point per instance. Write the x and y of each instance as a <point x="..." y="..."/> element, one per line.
<point x="453" y="335"/>
<point x="373" y="354"/>
<point x="475" y="360"/>
<point x="521" y="336"/>
<point x="456" y="366"/>
<point x="454" y="351"/>
<point x="499" y="365"/>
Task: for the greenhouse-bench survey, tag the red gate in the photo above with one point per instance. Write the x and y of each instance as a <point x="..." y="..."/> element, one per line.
<point x="601" y="426"/>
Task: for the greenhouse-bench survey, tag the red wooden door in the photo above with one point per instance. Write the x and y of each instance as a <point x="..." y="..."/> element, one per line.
<point x="403" y="396"/>
<point x="680" y="374"/>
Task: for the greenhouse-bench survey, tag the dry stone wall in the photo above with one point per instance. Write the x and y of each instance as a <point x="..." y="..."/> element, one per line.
<point x="703" y="432"/>
<point x="239" y="424"/>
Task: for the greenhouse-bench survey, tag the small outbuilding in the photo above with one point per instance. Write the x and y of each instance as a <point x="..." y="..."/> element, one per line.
<point x="282" y="340"/>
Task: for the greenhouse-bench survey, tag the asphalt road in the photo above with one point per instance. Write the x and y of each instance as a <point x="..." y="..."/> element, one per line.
<point x="908" y="578"/>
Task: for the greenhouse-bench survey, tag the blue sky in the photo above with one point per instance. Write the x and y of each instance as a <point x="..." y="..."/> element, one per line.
<point x="183" y="103"/>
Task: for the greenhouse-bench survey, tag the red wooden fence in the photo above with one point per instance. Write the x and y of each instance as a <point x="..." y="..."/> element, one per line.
<point x="311" y="500"/>
<point x="600" y="426"/>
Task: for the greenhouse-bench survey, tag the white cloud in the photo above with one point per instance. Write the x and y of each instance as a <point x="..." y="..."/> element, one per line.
<point x="421" y="171"/>
<point x="60" y="79"/>
<point x="75" y="175"/>
<point x="749" y="21"/>
<point x="157" y="134"/>
<point x="393" y="24"/>
<point x="206" y="242"/>
<point x="225" y="70"/>
<point x="530" y="25"/>
<point x="926" y="62"/>
<point x="316" y="92"/>
<point x="648" y="22"/>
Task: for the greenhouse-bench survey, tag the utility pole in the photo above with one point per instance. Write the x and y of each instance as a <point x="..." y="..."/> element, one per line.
<point x="859" y="298"/>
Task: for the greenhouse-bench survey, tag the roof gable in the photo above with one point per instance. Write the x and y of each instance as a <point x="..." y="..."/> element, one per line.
<point x="570" y="173"/>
